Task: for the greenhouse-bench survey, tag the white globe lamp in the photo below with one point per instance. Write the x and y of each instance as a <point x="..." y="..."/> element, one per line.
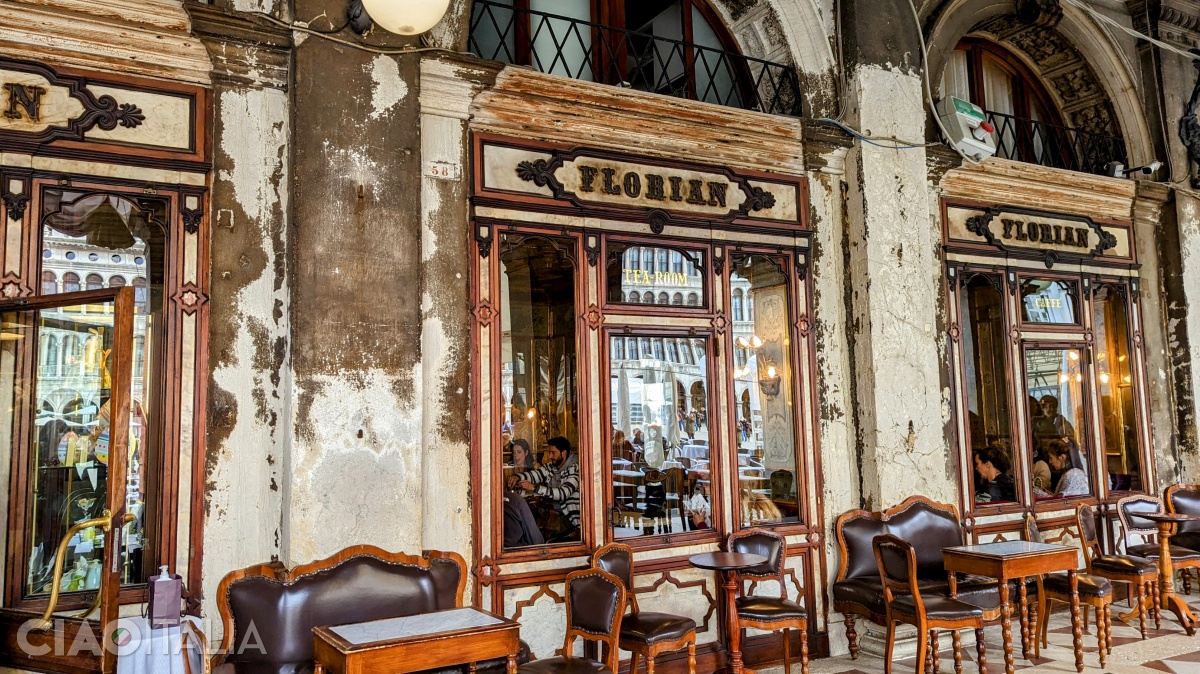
<point x="406" y="17"/>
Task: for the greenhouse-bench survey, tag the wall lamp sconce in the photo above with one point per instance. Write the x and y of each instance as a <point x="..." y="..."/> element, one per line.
<point x="1115" y="169"/>
<point x="402" y="17"/>
<point x="769" y="380"/>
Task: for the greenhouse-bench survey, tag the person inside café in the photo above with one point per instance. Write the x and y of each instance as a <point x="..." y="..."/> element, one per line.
<point x="1071" y="481"/>
<point x="621" y="447"/>
<point x="993" y="481"/>
<point x="557" y="481"/>
<point x="522" y="456"/>
<point x="1051" y="422"/>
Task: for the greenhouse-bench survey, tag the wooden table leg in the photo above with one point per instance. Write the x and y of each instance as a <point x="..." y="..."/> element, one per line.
<point x="733" y="632"/>
<point x="318" y="668"/>
<point x="1006" y="627"/>
<point x="1166" y="581"/>
<point x="510" y="667"/>
<point x="1023" y="597"/>
<point x="1076" y="619"/>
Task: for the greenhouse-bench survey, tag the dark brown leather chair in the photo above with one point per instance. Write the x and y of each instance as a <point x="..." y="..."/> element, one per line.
<point x="899" y="567"/>
<point x="1140" y="574"/>
<point x="1127" y="510"/>
<point x="1184" y="499"/>
<point x="269" y="611"/>
<point x="1094" y="591"/>
<point x="595" y="607"/>
<point x="858" y="590"/>
<point x="645" y="634"/>
<point x="769" y="613"/>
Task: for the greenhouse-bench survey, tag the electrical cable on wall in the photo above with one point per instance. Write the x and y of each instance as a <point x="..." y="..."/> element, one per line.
<point x="328" y="35"/>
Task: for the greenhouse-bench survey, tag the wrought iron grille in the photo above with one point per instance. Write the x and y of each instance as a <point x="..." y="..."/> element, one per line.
<point x="1055" y="146"/>
<point x="562" y="45"/>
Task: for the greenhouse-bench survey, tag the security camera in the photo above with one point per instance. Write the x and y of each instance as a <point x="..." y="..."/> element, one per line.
<point x="1150" y="168"/>
<point x="1116" y="169"/>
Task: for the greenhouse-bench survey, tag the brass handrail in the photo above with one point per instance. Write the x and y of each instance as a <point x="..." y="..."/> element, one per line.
<point x="105" y="523"/>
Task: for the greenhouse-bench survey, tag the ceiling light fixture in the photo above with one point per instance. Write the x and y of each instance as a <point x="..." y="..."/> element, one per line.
<point x="402" y="17"/>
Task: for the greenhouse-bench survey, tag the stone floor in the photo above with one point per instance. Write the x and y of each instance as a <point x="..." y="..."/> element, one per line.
<point x="1165" y="650"/>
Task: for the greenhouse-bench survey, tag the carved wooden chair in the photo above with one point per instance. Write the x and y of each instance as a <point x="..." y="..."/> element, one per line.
<point x="595" y="607"/>
<point x="645" y="634"/>
<point x="1094" y="591"/>
<point x="1184" y="499"/>
<point x="195" y="649"/>
<point x="1140" y="574"/>
<point x="1137" y="528"/>
<point x="769" y="613"/>
<point x="904" y="605"/>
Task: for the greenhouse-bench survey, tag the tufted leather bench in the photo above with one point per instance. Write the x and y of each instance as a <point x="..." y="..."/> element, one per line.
<point x="269" y="611"/>
<point x="929" y="526"/>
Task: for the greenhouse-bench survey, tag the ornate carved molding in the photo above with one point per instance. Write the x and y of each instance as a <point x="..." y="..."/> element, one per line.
<point x="14" y="204"/>
<point x="1043" y="13"/>
<point x="190" y="298"/>
<point x="191" y="220"/>
<point x="24" y="102"/>
<point x="484" y="313"/>
<point x="593" y="318"/>
<point x="486" y="572"/>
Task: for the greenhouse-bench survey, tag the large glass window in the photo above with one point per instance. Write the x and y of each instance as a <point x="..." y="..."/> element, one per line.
<point x="764" y="418"/>
<point x="1118" y="414"/>
<point x="539" y="383"/>
<point x="1055" y="383"/>
<point x="661" y="443"/>
<point x="75" y="391"/>
<point x="983" y="339"/>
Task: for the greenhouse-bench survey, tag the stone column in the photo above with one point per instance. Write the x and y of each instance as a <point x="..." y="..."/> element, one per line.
<point x="894" y="273"/>
<point x="249" y="383"/>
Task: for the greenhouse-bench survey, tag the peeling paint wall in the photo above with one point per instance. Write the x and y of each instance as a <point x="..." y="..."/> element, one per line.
<point x="248" y="386"/>
<point x="894" y="279"/>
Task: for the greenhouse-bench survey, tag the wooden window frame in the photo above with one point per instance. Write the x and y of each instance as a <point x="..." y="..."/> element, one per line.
<point x="1055" y="336"/>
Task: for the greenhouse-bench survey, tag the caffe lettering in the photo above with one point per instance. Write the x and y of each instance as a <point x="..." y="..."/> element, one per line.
<point x="1047" y="303"/>
<point x="1040" y="232"/>
<point x="652" y="186"/>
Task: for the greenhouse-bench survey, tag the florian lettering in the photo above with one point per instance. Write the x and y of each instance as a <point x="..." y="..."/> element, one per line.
<point x="610" y="187"/>
<point x="615" y="182"/>
<point x="654" y="188"/>
<point x="587" y="178"/>
<point x="633" y="185"/>
<point x="1045" y="233"/>
<point x="676" y="184"/>
<point x="26" y="97"/>
<point x="716" y="194"/>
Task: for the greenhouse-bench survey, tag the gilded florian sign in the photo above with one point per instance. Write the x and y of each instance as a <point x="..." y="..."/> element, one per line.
<point x="1032" y="233"/>
<point x="666" y="191"/>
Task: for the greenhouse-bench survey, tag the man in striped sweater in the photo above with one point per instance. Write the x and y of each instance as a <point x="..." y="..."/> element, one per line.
<point x="557" y="479"/>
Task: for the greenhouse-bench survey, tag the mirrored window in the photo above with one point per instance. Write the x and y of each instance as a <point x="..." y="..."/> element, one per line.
<point x="649" y="275"/>
<point x="1114" y="371"/>
<point x="765" y="405"/>
<point x="1055" y="384"/>
<point x="539" y="384"/>
<point x="984" y="341"/>
<point x="661" y="440"/>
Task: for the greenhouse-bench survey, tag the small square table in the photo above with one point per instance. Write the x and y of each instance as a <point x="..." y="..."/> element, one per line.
<point x="1018" y="560"/>
<point x="416" y="642"/>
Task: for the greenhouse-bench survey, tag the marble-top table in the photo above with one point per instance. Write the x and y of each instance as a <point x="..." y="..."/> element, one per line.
<point x="417" y="642"/>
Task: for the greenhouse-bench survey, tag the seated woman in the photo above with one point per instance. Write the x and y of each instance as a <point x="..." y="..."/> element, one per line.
<point x="1073" y="481"/>
<point x="994" y="483"/>
<point x="522" y="458"/>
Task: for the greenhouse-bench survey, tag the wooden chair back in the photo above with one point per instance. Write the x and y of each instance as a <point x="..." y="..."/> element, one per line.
<point x="897" y="562"/>
<point x="1128" y="509"/>
<point x="1031" y="531"/>
<point x="617" y="559"/>
<point x="195" y="649"/>
<point x="595" y="607"/>
<point x="768" y="544"/>
<point x="1184" y="499"/>
<point x="1088" y="537"/>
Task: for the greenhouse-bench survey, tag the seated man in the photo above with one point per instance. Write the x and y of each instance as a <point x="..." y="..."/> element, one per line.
<point x="557" y="479"/>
